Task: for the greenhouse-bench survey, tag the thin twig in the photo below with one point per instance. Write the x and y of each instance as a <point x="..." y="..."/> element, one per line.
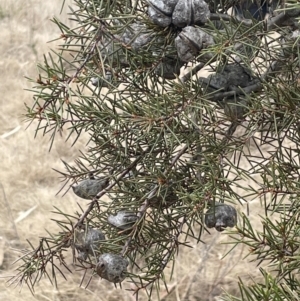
<point x="281" y="18"/>
<point x="192" y="72"/>
<point x="225" y="17"/>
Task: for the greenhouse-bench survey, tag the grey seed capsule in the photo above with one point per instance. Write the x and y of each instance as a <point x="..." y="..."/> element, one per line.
<point x="190" y="42"/>
<point x="169" y="68"/>
<point x="166" y="198"/>
<point x="220" y="216"/>
<point x="163" y="203"/>
<point x="103" y="82"/>
<point x="95" y="81"/>
<point x="190" y="13"/>
<point x="112" y="267"/>
<point x="160" y="11"/>
<point x="237" y="75"/>
<point x="158" y="17"/>
<point x="214" y="82"/>
<point x="123" y="219"/>
<point x="164" y="6"/>
<point x="89" y="188"/>
<point x="88" y="242"/>
<point x="229" y="78"/>
<point x="137" y="35"/>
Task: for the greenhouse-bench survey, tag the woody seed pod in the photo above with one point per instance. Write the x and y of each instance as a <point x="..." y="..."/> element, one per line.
<point x="123" y="219"/>
<point x="166" y="197"/>
<point x="100" y="82"/>
<point x="170" y="64"/>
<point x="163" y="203"/>
<point x="190" y="12"/>
<point x="164" y="6"/>
<point x="137" y="35"/>
<point x="191" y="41"/>
<point x="169" y="68"/>
<point x="160" y="11"/>
<point x="88" y="242"/>
<point x="220" y="216"/>
<point x="158" y="17"/>
<point x="89" y="188"/>
<point x="181" y="13"/>
<point x="112" y="267"/>
<point x="229" y="78"/>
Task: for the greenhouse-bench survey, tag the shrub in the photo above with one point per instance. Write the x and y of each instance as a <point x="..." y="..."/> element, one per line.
<point x="169" y="146"/>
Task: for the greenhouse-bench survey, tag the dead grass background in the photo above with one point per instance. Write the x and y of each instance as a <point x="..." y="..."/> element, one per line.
<point x="28" y="185"/>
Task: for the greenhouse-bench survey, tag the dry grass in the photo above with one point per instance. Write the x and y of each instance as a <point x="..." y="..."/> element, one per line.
<point x="27" y="181"/>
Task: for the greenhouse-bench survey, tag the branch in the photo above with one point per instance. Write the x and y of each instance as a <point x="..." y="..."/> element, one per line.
<point x="276" y="21"/>
<point x="192" y="72"/>
<point x="104" y="191"/>
<point x="225" y="17"/>
<point x="199" y="66"/>
<point x="143" y="208"/>
<point x="281" y="18"/>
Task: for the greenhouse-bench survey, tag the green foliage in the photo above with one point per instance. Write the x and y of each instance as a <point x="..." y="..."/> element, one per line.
<point x="171" y="146"/>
